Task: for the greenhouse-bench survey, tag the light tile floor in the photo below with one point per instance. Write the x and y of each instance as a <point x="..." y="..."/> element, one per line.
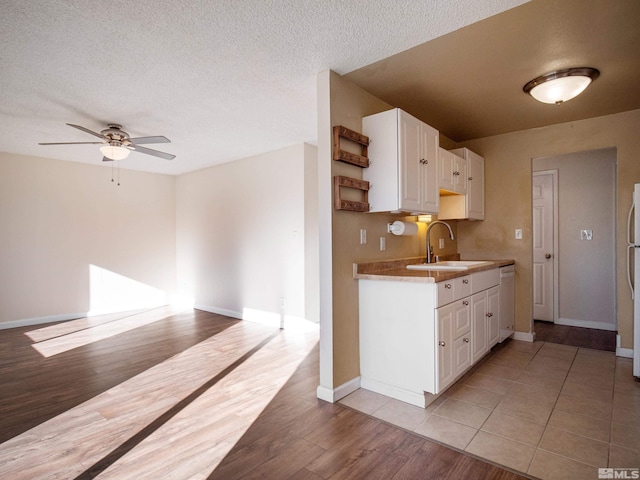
<point x="551" y="411"/>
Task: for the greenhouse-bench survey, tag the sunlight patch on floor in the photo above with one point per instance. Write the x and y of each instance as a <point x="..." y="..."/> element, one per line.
<point x="80" y="338"/>
<point x="195" y="440"/>
<point x="71" y="326"/>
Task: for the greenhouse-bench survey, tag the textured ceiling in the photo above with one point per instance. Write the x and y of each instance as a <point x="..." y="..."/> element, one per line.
<point x="222" y="79"/>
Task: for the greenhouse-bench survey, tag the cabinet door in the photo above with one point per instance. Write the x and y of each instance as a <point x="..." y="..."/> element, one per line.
<point x="475" y="186"/>
<point x="460" y="177"/>
<point x="479" y="324"/>
<point x="429" y="164"/>
<point x="444" y="339"/>
<point x="410" y="168"/>
<point x="493" y="316"/>
<point x="446" y="167"/>
<point x="461" y="354"/>
<point x="461" y="317"/>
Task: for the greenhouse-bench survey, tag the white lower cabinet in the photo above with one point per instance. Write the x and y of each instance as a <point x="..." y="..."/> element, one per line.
<point x="421" y="337"/>
<point x="485" y="308"/>
<point x="454" y="341"/>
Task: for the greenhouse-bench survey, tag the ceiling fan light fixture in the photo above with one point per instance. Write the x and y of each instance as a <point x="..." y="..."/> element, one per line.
<point x="115" y="152"/>
<point x="562" y="85"/>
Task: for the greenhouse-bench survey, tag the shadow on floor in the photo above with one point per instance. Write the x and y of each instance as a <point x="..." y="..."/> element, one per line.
<point x="575" y="336"/>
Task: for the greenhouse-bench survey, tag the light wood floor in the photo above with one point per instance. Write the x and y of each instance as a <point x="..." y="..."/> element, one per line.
<point x="191" y="395"/>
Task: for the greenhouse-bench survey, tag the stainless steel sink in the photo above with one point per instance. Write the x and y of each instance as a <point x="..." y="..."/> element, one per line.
<point x="450" y="265"/>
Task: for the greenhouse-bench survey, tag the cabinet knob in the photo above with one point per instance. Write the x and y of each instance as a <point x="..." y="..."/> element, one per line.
<point x="465" y="281"/>
<point x="441" y="343"/>
<point x="465" y="302"/>
<point x="487" y="314"/>
<point x="466" y="340"/>
<point x="447" y="286"/>
<point x="470" y="178"/>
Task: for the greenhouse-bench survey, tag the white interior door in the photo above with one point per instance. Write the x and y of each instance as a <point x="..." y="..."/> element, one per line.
<point x="543" y="245"/>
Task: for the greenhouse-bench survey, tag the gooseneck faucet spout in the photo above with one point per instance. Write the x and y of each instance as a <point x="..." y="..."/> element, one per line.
<point x="429" y="236"/>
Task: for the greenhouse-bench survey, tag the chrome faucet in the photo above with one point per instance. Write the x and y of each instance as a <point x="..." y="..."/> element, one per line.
<point x="429" y="236"/>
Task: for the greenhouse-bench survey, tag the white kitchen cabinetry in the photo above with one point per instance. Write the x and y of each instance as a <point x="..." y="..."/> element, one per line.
<point x="452" y="172"/>
<point x="485" y="308"/>
<point x="403" y="171"/>
<point x="418" y="337"/>
<point x="471" y="205"/>
<point x="454" y="341"/>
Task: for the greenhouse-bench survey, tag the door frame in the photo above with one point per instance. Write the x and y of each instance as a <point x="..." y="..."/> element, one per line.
<point x="556" y="250"/>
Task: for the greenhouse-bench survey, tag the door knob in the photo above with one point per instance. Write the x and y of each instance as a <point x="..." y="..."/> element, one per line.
<point x="547" y="256"/>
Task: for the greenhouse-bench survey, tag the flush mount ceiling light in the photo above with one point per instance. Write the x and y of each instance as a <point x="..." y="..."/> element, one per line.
<point x="115" y="151"/>
<point x="562" y="85"/>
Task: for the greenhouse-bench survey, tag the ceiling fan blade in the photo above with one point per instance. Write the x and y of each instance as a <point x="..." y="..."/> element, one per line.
<point x="149" y="151"/>
<point x="158" y="139"/>
<point x="71" y="143"/>
<point x="99" y="135"/>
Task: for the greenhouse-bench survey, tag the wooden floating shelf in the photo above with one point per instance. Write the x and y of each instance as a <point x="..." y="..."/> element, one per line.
<point x="340" y="155"/>
<point x="347" y="182"/>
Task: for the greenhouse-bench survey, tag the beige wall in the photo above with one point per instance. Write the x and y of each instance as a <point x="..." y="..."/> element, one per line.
<point x="340" y="102"/>
<point x="246" y="238"/>
<point x="58" y="218"/>
<point x="508" y="198"/>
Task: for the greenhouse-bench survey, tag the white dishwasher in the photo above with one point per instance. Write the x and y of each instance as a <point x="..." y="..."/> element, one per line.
<point x="507" y="301"/>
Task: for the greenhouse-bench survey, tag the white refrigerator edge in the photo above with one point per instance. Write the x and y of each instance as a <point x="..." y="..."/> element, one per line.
<point x="633" y="264"/>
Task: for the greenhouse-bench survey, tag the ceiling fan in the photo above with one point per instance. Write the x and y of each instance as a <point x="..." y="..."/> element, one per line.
<point x="117" y="144"/>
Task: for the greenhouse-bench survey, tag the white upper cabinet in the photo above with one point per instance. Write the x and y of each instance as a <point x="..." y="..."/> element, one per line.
<point x="471" y="205"/>
<point x="403" y="171"/>
<point x="452" y="172"/>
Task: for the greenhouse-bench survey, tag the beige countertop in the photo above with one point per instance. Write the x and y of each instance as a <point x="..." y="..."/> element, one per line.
<point x="396" y="270"/>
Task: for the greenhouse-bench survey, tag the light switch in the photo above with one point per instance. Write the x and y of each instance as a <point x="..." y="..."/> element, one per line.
<point x="383" y="244"/>
<point x="518" y="234"/>
<point x="441" y="243"/>
<point x="363" y="236"/>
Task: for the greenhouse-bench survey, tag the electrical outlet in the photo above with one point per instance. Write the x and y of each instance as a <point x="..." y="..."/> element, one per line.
<point x="383" y="244"/>
<point x="441" y="243"/>
<point x="518" y="234"/>
<point x="363" y="236"/>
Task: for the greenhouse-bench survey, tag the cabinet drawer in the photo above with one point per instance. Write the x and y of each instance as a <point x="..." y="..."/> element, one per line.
<point x="446" y="293"/>
<point x="485" y="279"/>
<point x="462" y="287"/>
<point x="454" y="289"/>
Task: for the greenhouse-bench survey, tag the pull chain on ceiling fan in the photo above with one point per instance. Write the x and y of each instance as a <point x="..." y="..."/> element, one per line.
<point x="117" y="144"/>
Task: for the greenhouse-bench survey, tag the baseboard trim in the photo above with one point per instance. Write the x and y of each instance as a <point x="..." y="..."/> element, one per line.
<point x="524" y="336"/>
<point x="27" y="322"/>
<point x="624" y="352"/>
<point x="413" y="398"/>
<point x="333" y="395"/>
<point x="586" y="324"/>
<point x="219" y="311"/>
